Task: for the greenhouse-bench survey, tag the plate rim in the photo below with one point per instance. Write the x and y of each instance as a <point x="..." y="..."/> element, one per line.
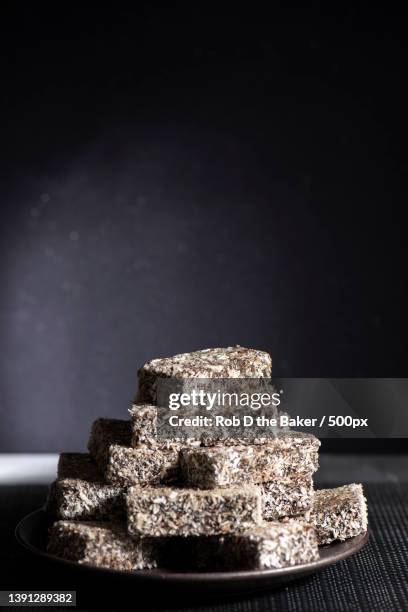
<point x="178" y="577"/>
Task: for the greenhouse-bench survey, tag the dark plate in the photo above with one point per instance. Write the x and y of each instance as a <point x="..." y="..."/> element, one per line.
<point x="32" y="531"/>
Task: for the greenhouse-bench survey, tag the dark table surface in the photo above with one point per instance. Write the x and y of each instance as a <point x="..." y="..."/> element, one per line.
<point x="376" y="578"/>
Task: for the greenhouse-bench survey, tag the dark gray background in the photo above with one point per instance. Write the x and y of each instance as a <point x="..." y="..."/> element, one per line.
<point x="179" y="181"/>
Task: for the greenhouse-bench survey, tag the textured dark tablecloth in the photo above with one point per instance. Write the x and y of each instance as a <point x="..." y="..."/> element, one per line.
<point x="376" y="578"/>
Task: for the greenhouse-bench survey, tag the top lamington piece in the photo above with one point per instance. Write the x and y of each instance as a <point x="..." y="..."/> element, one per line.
<point x="230" y="362"/>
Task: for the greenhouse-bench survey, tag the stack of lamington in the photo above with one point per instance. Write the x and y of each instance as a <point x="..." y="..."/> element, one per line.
<point x="137" y="501"/>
